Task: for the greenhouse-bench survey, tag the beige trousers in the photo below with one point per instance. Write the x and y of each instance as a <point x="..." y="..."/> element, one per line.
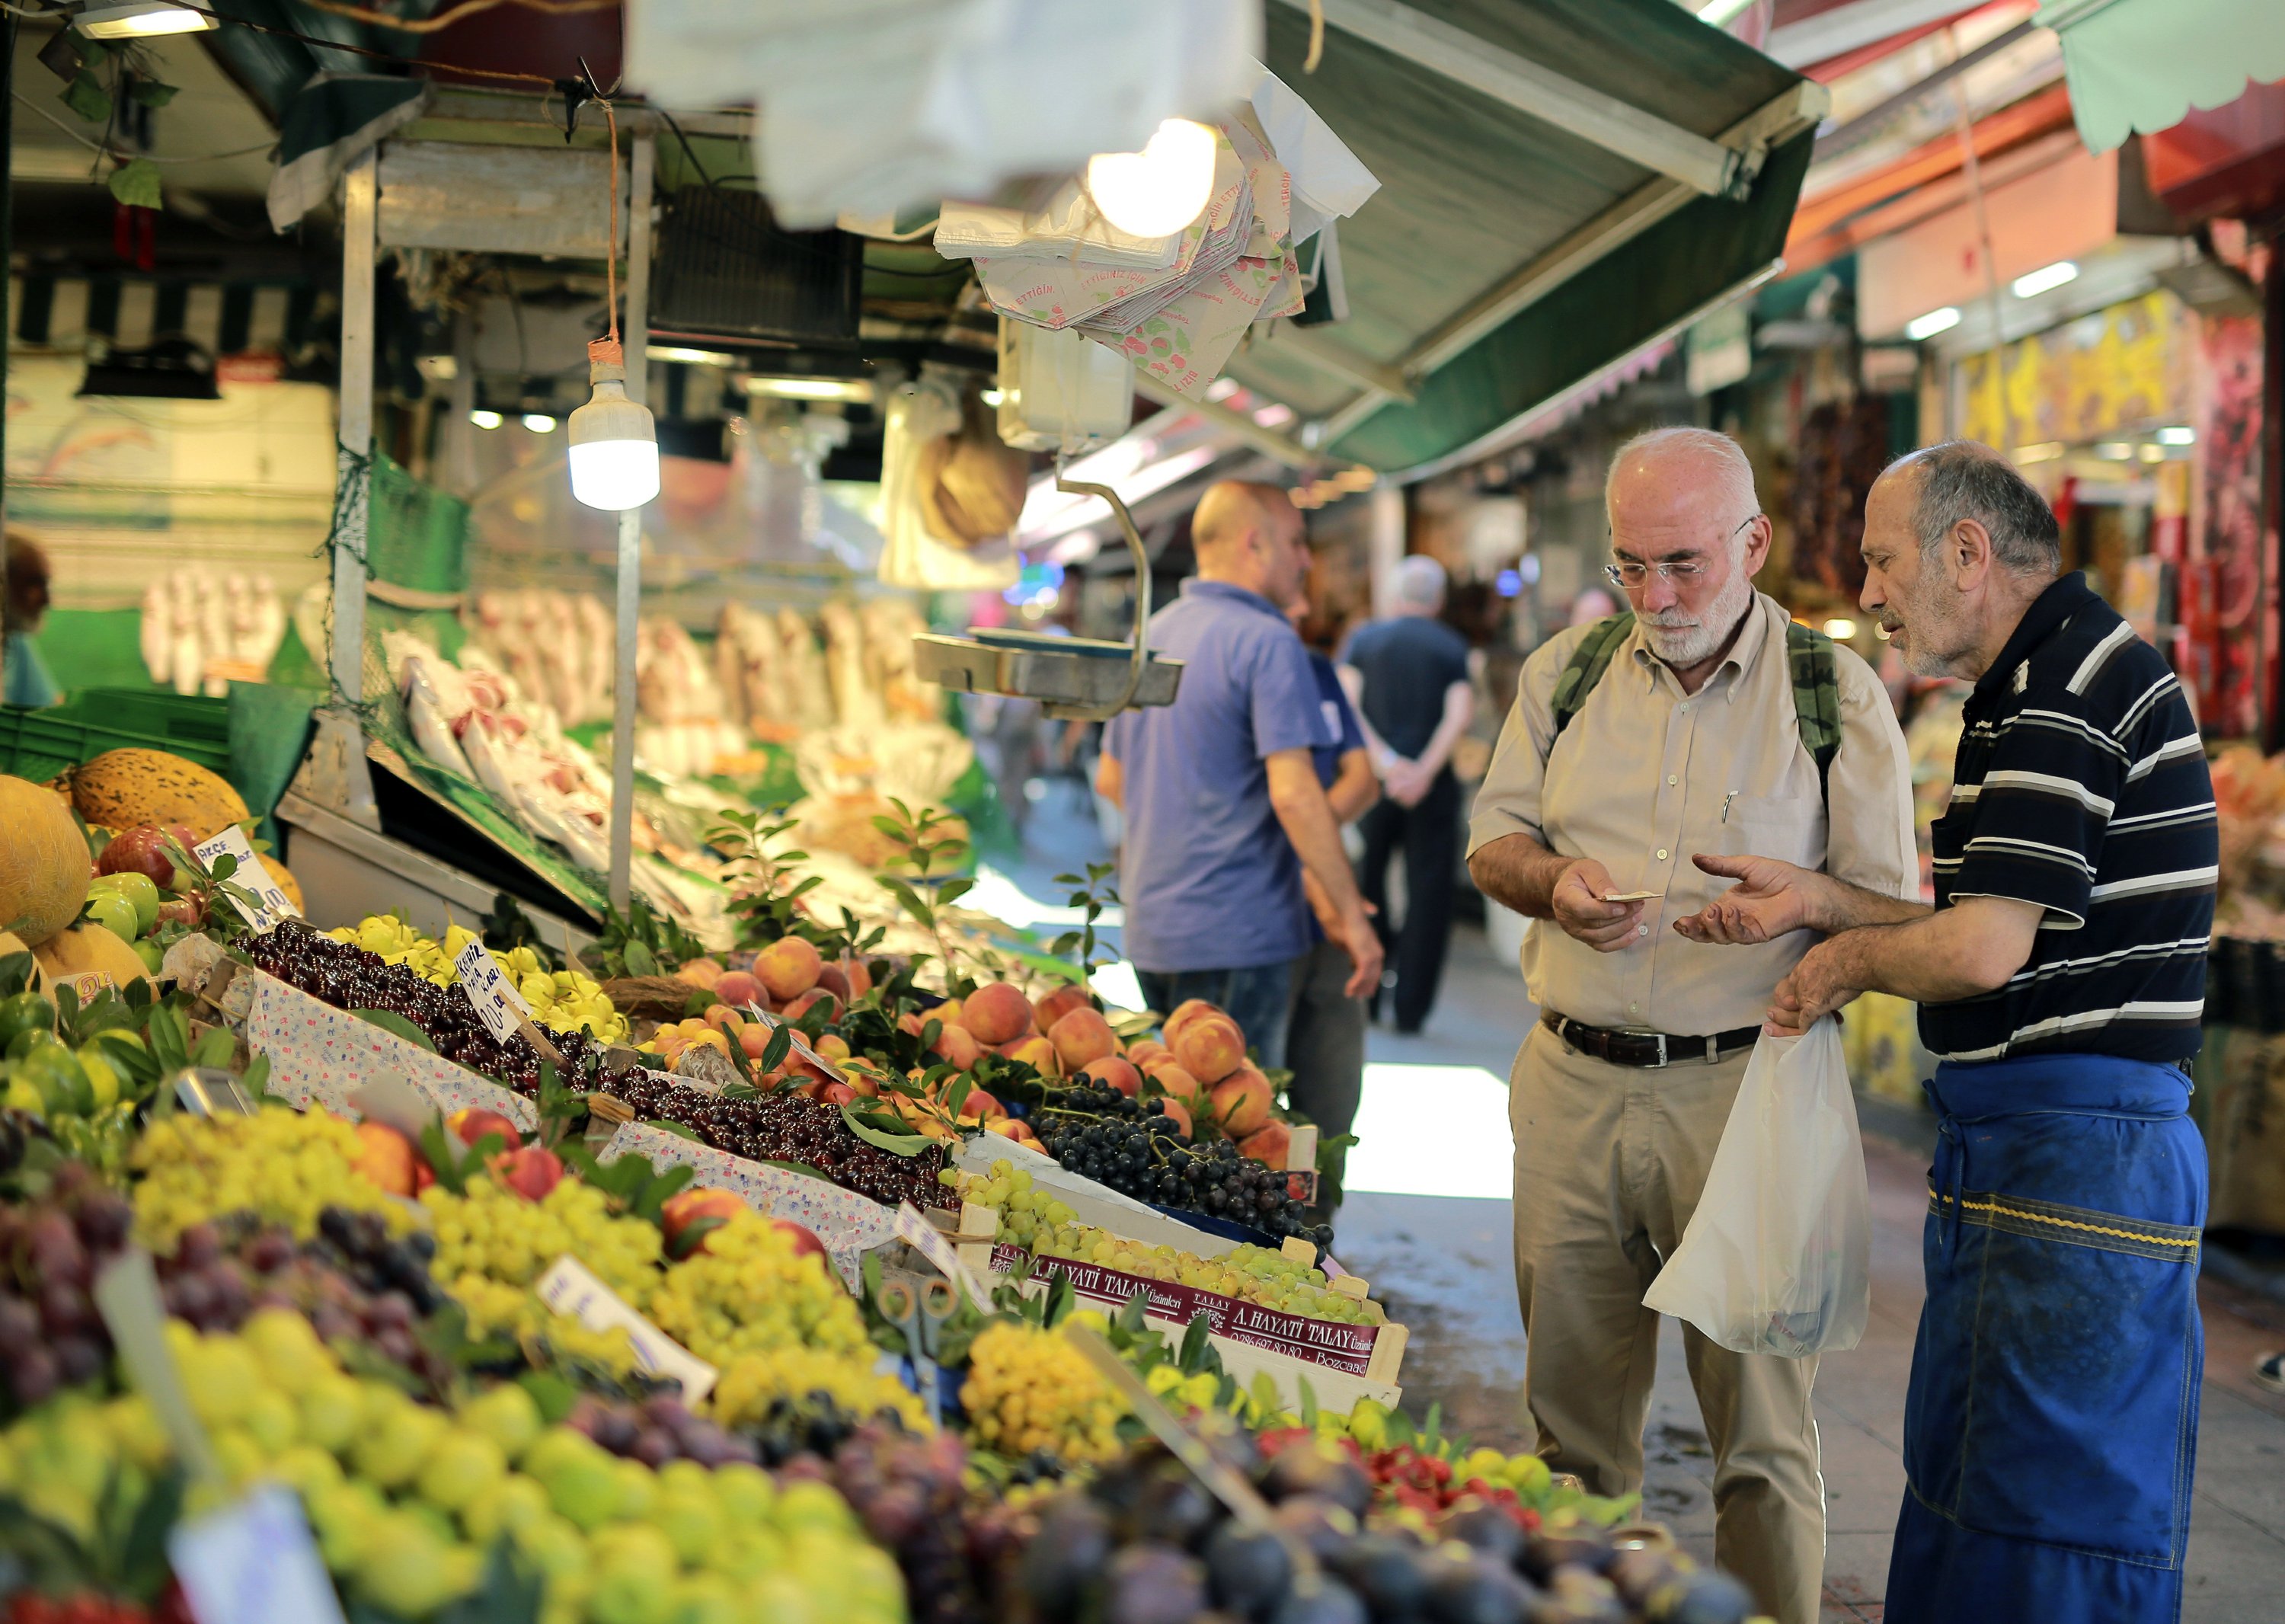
<point x="1609" y="1162"/>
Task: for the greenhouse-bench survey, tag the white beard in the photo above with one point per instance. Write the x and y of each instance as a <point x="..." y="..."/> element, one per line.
<point x="1682" y="639"/>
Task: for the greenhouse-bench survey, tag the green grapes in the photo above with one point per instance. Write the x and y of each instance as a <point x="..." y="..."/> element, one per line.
<point x="284" y="1166"/>
<point x="497" y="1235"/>
<point x="1029" y="1389"/>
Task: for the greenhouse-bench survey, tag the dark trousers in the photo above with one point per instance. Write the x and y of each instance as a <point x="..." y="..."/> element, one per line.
<point x="1324" y="1046"/>
<point x="1429" y="837"/>
<point x="1256" y="997"/>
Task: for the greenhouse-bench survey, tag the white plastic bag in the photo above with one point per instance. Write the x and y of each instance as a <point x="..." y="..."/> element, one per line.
<point x="1777" y="1259"/>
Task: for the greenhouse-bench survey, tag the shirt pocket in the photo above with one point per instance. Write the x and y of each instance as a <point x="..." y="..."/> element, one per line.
<point x="1783" y="827"/>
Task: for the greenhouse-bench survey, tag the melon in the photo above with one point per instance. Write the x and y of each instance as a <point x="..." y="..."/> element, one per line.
<point x="286" y="882"/>
<point x="123" y="787"/>
<point x="10" y="943"/>
<point x="43" y="861"/>
<point x="90" y="948"/>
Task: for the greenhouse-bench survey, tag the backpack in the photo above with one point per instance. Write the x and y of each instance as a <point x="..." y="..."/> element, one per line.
<point x="1816" y="685"/>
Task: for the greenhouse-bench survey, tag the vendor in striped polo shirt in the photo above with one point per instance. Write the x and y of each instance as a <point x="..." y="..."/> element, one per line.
<point x="2051" y="1417"/>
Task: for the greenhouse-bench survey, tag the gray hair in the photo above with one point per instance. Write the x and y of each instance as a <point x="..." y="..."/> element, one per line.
<point x="1420" y="583"/>
<point x="1963" y="479"/>
<point x="1730" y="470"/>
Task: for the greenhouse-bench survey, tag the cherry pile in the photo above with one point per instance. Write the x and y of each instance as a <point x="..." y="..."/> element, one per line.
<point x="787" y="1128"/>
<point x="1131" y="1146"/>
<point x="347" y="977"/>
<point x="50" y="1335"/>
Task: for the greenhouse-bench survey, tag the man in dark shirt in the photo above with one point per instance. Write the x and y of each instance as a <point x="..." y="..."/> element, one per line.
<point x="2052" y="1419"/>
<point x="1410" y="674"/>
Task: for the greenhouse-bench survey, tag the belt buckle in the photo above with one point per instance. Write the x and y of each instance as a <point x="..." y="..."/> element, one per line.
<point x="1663" y="1061"/>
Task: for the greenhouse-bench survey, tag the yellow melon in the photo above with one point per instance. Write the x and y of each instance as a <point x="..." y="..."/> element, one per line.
<point x="43" y="861"/>
<point x="123" y="787"/>
<point x="91" y="948"/>
<point x="12" y="944"/>
<point x="286" y="882"/>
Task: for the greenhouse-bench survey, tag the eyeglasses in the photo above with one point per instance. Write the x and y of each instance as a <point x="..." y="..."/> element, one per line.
<point x="1633" y="575"/>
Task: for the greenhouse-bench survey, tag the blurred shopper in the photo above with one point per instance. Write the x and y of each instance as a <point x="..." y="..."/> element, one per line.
<point x="1411" y="683"/>
<point x="1324" y="1039"/>
<point x="1223" y="809"/>
<point x="25" y="680"/>
<point x="1704" y="720"/>
<point x="2051" y="1425"/>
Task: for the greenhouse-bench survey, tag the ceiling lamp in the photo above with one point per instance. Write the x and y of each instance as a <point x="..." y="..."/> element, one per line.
<point x="614" y="443"/>
<point x="1160" y="189"/>
<point x="113" y="20"/>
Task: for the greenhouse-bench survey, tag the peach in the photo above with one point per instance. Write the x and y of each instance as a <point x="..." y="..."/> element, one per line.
<point x="836" y="1094"/>
<point x="1177" y="1112"/>
<point x="998" y="1013"/>
<point x="1038" y="1054"/>
<point x="1008" y="1127"/>
<point x="1240" y="1103"/>
<point x="835" y="980"/>
<point x="473" y="1122"/>
<point x="1082" y="1035"/>
<point x="1060" y="1003"/>
<point x="700" y="973"/>
<point x="788" y="967"/>
<point x="530" y="1173"/>
<point x="1189" y="1009"/>
<point x="979" y="1105"/>
<point x="832" y="1046"/>
<point x="797" y="1008"/>
<point x="805" y="1244"/>
<point x="1178" y="1084"/>
<point x="754" y="1040"/>
<point x="737" y="989"/>
<point x="1148" y="1050"/>
<point x="959" y="1046"/>
<point x="386" y="1158"/>
<point x="1268" y="1144"/>
<point x="721" y="1018"/>
<point x="858" y="977"/>
<point x="1210" y="1047"/>
<point x="687" y="1208"/>
<point x="1114" y="1072"/>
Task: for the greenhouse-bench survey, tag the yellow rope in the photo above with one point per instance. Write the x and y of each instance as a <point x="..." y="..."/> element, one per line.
<point x="2065" y="1223"/>
<point x="1316" y="36"/>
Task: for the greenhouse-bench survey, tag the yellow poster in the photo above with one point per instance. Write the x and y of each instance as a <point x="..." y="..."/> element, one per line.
<point x="2121" y="368"/>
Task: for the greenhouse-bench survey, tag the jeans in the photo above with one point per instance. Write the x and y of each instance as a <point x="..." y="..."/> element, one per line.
<point x="1429" y="837"/>
<point x="1257" y="996"/>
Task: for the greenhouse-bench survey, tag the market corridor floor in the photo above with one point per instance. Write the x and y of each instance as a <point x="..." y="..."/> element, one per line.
<point x="1444" y="1264"/>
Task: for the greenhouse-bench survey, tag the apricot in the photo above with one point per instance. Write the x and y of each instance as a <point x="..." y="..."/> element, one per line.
<point x="1240" y="1103"/>
<point x="1210" y="1047"/>
<point x="1114" y="1072"/>
<point x="788" y="967"/>
<point x="998" y="1014"/>
<point x="1082" y="1035"/>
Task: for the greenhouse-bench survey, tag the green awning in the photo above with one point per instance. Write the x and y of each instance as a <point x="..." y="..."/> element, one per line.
<point x="2142" y="65"/>
<point x="1562" y="181"/>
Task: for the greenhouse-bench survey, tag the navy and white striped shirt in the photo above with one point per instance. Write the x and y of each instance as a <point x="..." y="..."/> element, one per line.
<point x="2081" y="786"/>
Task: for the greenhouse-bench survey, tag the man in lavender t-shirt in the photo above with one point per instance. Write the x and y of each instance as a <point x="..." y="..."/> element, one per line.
<point x="1224" y="811"/>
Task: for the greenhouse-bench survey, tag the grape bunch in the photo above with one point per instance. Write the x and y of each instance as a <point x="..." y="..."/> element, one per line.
<point x="1030" y="1389"/>
<point x="786" y="1127"/>
<point x="282" y="1166"/>
<point x="1131" y="1146"/>
<point x="908" y="1492"/>
<point x="349" y="978"/>
<point x="657" y="1431"/>
<point x="50" y="1335"/>
<point x="490" y="1231"/>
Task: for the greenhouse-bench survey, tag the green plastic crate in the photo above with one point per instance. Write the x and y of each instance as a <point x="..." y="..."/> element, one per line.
<point x="39" y="744"/>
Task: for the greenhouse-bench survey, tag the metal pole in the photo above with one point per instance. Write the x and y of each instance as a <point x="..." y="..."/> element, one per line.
<point x="359" y="191"/>
<point x="460" y="436"/>
<point x="634" y="333"/>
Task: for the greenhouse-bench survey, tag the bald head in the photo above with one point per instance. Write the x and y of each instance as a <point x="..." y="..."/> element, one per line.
<point x="1687" y="534"/>
<point x="1655" y="468"/>
<point x="1250" y="534"/>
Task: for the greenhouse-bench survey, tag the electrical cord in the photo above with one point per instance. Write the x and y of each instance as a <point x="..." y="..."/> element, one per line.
<point x="445" y="19"/>
<point x="111" y="152"/>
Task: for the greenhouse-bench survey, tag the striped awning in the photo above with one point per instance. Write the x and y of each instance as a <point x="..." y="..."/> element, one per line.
<point x="129" y="312"/>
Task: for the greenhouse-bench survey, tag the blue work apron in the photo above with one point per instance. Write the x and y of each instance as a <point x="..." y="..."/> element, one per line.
<point x="2051" y="1425"/>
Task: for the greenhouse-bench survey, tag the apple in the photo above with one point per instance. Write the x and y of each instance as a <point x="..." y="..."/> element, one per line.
<point x="1060" y="1003"/>
<point x="805" y="1244"/>
<point x="1114" y="1072"/>
<point x="737" y="989"/>
<point x="386" y="1158"/>
<point x="143" y="850"/>
<point x="473" y="1122"/>
<point x="138" y="889"/>
<point x="1240" y="1103"/>
<point x="1268" y="1144"/>
<point x="178" y="911"/>
<point x="998" y="1013"/>
<point x="686" y="1207"/>
<point x="1082" y="1035"/>
<point x="530" y="1172"/>
<point x="788" y="967"/>
<point x="106" y="907"/>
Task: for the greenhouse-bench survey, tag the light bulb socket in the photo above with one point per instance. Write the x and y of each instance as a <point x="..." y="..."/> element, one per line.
<point x="606" y="360"/>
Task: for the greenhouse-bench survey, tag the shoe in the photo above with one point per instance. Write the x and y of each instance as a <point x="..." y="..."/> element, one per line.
<point x="1408" y="1028"/>
<point x="2269" y="1370"/>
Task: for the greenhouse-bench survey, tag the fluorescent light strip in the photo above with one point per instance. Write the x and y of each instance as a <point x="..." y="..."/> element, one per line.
<point x="1934" y="322"/>
<point x="2031" y="284"/>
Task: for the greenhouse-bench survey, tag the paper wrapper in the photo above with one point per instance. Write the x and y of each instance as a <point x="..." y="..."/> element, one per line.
<point x="848" y="1224"/>
<point x="1186" y="346"/>
<point x="320" y="1055"/>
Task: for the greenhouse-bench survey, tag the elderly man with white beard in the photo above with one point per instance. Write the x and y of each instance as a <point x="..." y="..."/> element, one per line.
<point x="1702" y="721"/>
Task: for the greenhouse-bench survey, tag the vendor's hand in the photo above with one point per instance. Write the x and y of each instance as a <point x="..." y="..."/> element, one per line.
<point x="1817" y="988"/>
<point x="1771" y="898"/>
<point x="1354" y="932"/>
<point x="1578" y="907"/>
<point x="1404" y="782"/>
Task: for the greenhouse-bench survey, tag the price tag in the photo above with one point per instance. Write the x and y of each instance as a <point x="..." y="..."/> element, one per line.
<point x="86" y="984"/>
<point x="253" y="1563"/>
<point x="251" y="873"/>
<point x="570" y="1288"/>
<point x="926" y="1239"/>
<point x="498" y="1003"/>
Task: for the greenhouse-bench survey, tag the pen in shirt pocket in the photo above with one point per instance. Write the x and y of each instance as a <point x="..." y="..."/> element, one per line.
<point x="1726" y="805"/>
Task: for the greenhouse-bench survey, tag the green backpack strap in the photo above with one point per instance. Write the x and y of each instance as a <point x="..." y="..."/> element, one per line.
<point x="1589" y="662"/>
<point x="1815" y="698"/>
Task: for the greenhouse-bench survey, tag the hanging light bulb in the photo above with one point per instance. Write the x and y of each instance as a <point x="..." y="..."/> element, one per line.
<point x="614" y="444"/>
<point x="1160" y="189"/>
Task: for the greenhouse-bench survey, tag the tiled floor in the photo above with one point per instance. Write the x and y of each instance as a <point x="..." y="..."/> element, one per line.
<point x="1444" y="1264"/>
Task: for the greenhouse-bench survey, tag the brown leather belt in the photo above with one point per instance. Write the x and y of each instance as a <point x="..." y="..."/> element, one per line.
<point x="1648" y="1049"/>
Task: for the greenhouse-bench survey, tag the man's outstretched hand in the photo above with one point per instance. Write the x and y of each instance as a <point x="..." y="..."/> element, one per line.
<point x="1771" y="898"/>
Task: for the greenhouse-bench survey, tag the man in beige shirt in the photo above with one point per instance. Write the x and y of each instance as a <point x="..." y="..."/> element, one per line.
<point x="1691" y="741"/>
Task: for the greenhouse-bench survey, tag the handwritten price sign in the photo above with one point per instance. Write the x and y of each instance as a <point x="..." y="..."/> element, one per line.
<point x="271" y="904"/>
